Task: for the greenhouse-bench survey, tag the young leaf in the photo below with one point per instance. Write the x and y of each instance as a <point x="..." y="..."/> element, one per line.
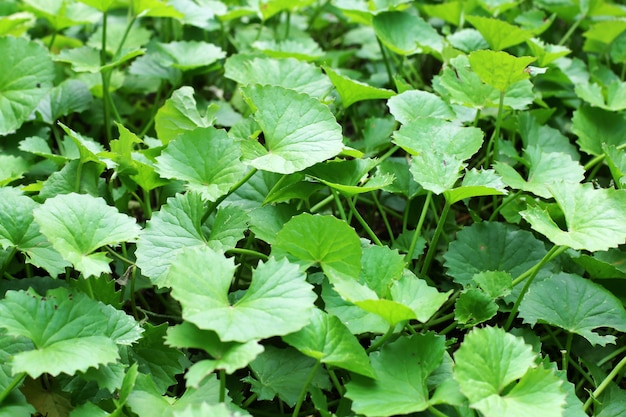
<point x="407" y="34"/>
<point x="498" y="33"/>
<point x="206" y="159"/>
<point x="402" y="368"/>
<point x="178" y="115"/>
<point x="416" y="294"/>
<point x="279" y="300"/>
<point x="551" y="300"/>
<point x="79" y="224"/>
<point x="596" y="218"/>
<point x="474" y="307"/>
<point x="329" y="341"/>
<point x="326" y="240"/>
<point x="492" y="247"/>
<point x="352" y="91"/>
<point x="489" y="360"/>
<point x="499" y="69"/>
<point x="18" y="229"/>
<point x="26" y="74"/>
<point x="287" y="72"/>
<point x="414" y="104"/>
<point x="475" y="184"/>
<point x="189" y="55"/>
<point x="350" y="176"/>
<point x="299" y="131"/>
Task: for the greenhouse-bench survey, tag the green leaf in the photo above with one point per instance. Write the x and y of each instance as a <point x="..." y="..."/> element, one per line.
<point x="489" y="360"/>
<point x="18" y="229"/>
<point x="213" y="410"/>
<point x="70" y="332"/>
<point x="102" y="5"/>
<point x="498" y="33"/>
<point x="595" y="218"/>
<point x="206" y="159"/>
<point x="407" y="34"/>
<point x="26" y="75"/>
<point x="302" y="48"/>
<point x="436" y="164"/>
<point x="287" y="72"/>
<point x="415" y="104"/>
<point x="176" y="226"/>
<point x="78" y="224"/>
<point x="476" y="184"/>
<point x="545" y="168"/>
<point x="283" y="372"/>
<point x="494" y="283"/>
<point x="68" y="97"/>
<point x="352" y="91"/>
<point x="609" y="97"/>
<point x="380" y="268"/>
<point x="461" y="85"/>
<point x="350" y="176"/>
<point x="279" y="300"/>
<point x="189" y="55"/>
<point x="329" y="341"/>
<point x="178" y="115"/>
<point x="595" y="127"/>
<point x="228" y="356"/>
<point x="299" y="131"/>
<point x="546" y="53"/>
<point x="12" y="168"/>
<point x="322" y="240"/>
<point x="499" y="69"/>
<point x="490" y="246"/>
<point x="402" y="368"/>
<point x="416" y="294"/>
<point x="87" y="59"/>
<point x="575" y="304"/>
<point x="474" y="307"/>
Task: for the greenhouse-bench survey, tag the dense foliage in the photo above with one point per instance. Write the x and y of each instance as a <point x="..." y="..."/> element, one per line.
<point x="329" y="208"/>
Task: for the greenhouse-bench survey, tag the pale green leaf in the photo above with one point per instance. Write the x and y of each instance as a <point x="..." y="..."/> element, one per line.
<point x="12" y="168"/>
<point x="352" y="91"/>
<point x="26" y="74"/>
<point x="206" y="409"/>
<point x="499" y="69"/>
<point x="498" y="33"/>
<point x="287" y="72"/>
<point x="595" y="218"/>
<point x="488" y="360"/>
<point x="414" y="104"/>
<point x="575" y="304"/>
<point x="68" y="97"/>
<point x="78" y="224"/>
<point x="322" y="240"/>
<point x="477" y="183"/>
<point x="416" y="294"/>
<point x="302" y="48"/>
<point x="279" y="300"/>
<point x="189" y="55"/>
<point x="402" y="368"/>
<point x="228" y="356"/>
<point x="407" y="34"/>
<point x="206" y="159"/>
<point x="329" y="341"/>
<point x="178" y="115"/>
<point x="299" y="131"/>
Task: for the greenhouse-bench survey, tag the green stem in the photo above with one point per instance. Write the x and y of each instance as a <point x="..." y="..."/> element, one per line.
<point x="52" y="39"/>
<point x="211" y="207"/>
<point x="118" y="256"/>
<point x="147" y="204"/>
<point x="106" y="101"/>
<point x="222" y="385"/>
<point x="79" y="174"/>
<point x="288" y="24"/>
<point x="418" y="229"/>
<point x="317" y="207"/>
<point x="251" y="252"/>
<point x="571" y="30"/>
<point x="133" y="302"/>
<point x="432" y="248"/>
<point x="7" y="261"/>
<point x="305" y="389"/>
<point x="498" y="209"/>
<point x="249" y="401"/>
<point x="605" y="383"/>
<point x="363" y="223"/>
<point x="436" y="412"/>
<point x="381" y="340"/>
<point x="386" y="61"/>
<point x="383" y="216"/>
<point x="17" y="380"/>
<point x="333" y="377"/>
<point x="531" y="274"/>
<point x="493" y="141"/>
<point x="611" y="355"/>
<point x="342" y="212"/>
<point x="566" y="351"/>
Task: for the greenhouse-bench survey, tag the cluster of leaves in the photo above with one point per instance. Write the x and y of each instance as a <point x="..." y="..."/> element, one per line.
<point x="373" y="208"/>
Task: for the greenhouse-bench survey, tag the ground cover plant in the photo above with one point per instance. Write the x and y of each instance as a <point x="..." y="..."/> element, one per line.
<point x="312" y="208"/>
